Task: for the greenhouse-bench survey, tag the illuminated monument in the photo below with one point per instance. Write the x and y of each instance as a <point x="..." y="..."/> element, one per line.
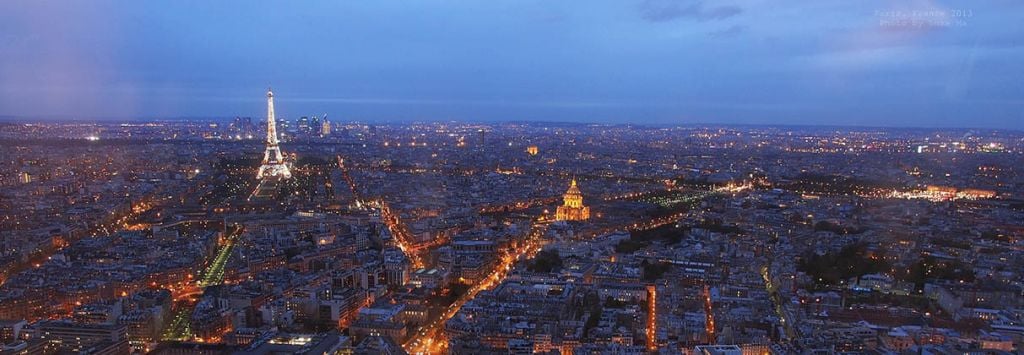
<point x="572" y="208"/>
<point x="273" y="161"/>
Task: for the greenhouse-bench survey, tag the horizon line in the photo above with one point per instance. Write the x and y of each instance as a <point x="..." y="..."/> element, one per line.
<point x="14" y="119"/>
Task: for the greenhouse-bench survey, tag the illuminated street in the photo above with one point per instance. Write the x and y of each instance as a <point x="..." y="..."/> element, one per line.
<point x="651" y="331"/>
<point x="400" y="232"/>
<point x="214" y="272"/>
<point x="709" y="313"/>
<point x="779" y="306"/>
<point x="179" y="328"/>
<point x="430" y="339"/>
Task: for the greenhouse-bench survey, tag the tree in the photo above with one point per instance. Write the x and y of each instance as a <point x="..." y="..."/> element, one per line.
<point x="546" y="261"/>
<point x="929" y="267"/>
<point x="851" y="261"/>
<point x="654" y="271"/>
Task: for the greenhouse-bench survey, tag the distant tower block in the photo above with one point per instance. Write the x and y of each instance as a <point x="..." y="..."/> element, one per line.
<point x="532" y="150"/>
<point x="273" y="161"/>
<point x="572" y="208"/>
<point x="325" y="127"/>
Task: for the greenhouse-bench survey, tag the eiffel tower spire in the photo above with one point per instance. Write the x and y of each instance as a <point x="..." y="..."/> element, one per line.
<point x="271" y="121"/>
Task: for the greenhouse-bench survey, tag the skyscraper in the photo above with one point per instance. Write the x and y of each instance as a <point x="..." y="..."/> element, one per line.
<point x="325" y="127"/>
<point x="303" y="125"/>
<point x="273" y="161"/>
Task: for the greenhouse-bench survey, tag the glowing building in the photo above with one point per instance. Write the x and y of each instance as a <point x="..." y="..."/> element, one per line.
<point x="572" y="208"/>
<point x="273" y="161"/>
<point x="325" y="127"/>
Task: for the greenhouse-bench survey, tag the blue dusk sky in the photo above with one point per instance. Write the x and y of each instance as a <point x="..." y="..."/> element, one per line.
<point x="868" y="63"/>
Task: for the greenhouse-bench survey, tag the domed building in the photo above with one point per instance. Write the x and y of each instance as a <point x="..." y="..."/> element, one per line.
<point x="572" y="208"/>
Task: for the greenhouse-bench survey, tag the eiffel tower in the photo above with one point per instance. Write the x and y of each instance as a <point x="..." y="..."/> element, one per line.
<point x="273" y="165"/>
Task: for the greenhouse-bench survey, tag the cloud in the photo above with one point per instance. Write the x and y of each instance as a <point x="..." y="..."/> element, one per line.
<point x="670" y="10"/>
<point x="732" y="31"/>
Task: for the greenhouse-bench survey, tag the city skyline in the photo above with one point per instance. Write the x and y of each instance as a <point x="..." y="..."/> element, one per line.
<point x="458" y="238"/>
<point x="512" y="177"/>
<point x="912" y="64"/>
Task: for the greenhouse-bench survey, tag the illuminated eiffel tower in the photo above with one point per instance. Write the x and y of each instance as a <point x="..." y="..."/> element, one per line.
<point x="273" y="165"/>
